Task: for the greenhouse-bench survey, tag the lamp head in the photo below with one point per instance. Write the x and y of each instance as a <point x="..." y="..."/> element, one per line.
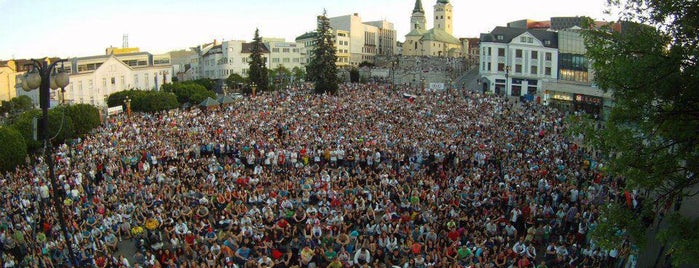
<point x="33" y="80"/>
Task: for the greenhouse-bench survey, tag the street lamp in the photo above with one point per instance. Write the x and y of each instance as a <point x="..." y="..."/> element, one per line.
<point x="127" y="102"/>
<point x="253" y="87"/>
<point x="45" y="77"/>
<point x="422" y="82"/>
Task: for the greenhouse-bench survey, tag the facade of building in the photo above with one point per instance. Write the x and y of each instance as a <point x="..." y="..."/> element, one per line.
<point x="517" y="62"/>
<point x="572" y="88"/>
<point x="93" y="79"/>
<point x="366" y="39"/>
<point x="290" y="55"/>
<point x="342" y="46"/>
<point x="438" y="41"/>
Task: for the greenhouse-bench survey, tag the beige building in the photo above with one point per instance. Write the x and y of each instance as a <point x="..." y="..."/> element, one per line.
<point x="438" y="41"/>
<point x="366" y="39"/>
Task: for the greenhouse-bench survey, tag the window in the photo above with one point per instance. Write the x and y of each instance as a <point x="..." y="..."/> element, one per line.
<point x="135" y="79"/>
<point x="113" y="80"/>
<point x="104" y="82"/>
<point x="89" y="84"/>
<point x="483" y="67"/>
<point x="490" y="51"/>
<point x="518" y="68"/>
<point x="523" y="39"/>
<point x="275" y="60"/>
<point x="501" y="52"/>
<point x="285" y="50"/>
<point x="121" y="79"/>
<point x="547" y="42"/>
<point x="530" y="40"/>
<point x="535" y="55"/>
<point x="501" y="67"/>
<point x="276" y="49"/>
<point x="518" y="53"/>
<point x="548" y="56"/>
<point x="500" y="37"/>
<point x="547" y="71"/>
<point x="285" y="60"/>
<point x="534" y="69"/>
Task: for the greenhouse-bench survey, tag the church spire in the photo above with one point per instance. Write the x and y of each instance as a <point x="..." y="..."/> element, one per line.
<point x="418" y="7"/>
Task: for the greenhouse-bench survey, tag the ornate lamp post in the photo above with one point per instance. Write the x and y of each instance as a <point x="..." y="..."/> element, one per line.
<point x="127" y="102"/>
<point x="253" y="87"/>
<point x="45" y="77"/>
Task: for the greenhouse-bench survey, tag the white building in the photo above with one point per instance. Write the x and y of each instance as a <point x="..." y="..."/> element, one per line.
<point x="516" y="61"/>
<point x="366" y="39"/>
<point x="93" y="79"/>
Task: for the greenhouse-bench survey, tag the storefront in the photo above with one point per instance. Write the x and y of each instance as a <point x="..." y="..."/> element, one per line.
<point x="588" y="104"/>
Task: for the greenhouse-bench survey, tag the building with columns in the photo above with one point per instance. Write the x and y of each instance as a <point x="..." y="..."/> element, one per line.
<point x="438" y="41"/>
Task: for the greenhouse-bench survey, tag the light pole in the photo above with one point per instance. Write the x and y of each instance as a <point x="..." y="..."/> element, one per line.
<point x="422" y="83"/>
<point x="127" y="102"/>
<point x="253" y="87"/>
<point x="45" y="77"/>
<point x="394" y="64"/>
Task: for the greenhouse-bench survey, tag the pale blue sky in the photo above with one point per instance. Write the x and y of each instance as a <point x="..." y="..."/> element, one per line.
<point x="70" y="28"/>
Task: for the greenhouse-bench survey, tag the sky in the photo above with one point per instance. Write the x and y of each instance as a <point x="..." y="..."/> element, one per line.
<point x="76" y="28"/>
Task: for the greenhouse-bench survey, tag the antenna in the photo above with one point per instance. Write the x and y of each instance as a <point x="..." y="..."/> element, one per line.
<point x="125" y="43"/>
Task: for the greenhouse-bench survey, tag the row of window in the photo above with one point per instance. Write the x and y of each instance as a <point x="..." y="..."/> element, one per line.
<point x="533" y="69"/>
<point x="287" y="60"/>
<point x="285" y="50"/>
<point x="518" y="53"/>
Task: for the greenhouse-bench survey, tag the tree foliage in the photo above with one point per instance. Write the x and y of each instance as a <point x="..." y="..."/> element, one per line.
<point x="322" y="68"/>
<point x="151" y="101"/>
<point x="298" y="73"/>
<point x="13" y="148"/>
<point x="189" y="92"/>
<point x="235" y="80"/>
<point x="16" y="106"/>
<point x="650" y="65"/>
<point x="85" y="118"/>
<point x="258" y="68"/>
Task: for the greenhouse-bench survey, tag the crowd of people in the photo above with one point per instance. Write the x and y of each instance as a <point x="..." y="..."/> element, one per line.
<point x="364" y="178"/>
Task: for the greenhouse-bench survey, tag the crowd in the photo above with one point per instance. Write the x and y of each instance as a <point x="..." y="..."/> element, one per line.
<point x="361" y="179"/>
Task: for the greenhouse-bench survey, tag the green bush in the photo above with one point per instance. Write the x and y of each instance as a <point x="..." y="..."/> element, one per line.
<point x="60" y="127"/>
<point x="13" y="148"/>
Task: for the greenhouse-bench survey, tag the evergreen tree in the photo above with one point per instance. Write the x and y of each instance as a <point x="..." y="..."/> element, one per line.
<point x="322" y="68"/>
<point x="650" y="65"/>
<point x="258" y="67"/>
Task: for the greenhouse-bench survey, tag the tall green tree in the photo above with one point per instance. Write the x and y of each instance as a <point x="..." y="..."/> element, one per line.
<point x="322" y="68"/>
<point x="650" y="65"/>
<point x="258" y="67"/>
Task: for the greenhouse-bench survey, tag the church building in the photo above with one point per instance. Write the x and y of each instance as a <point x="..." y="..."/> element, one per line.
<point x="438" y="41"/>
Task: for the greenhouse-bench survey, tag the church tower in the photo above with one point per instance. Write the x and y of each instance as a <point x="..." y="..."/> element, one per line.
<point x="443" y="19"/>
<point x="418" y="20"/>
